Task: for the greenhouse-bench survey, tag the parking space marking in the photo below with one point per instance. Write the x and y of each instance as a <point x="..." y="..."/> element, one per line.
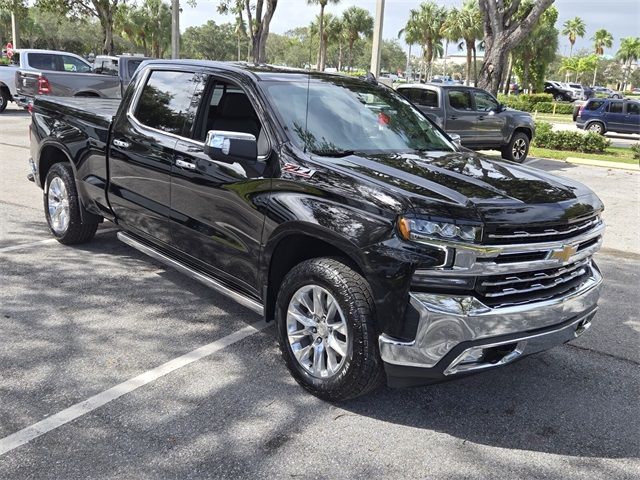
<point x="67" y="415"/>
<point x="44" y="242"/>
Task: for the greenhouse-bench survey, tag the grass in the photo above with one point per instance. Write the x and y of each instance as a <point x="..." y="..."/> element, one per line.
<point x="550" y="117"/>
<point x="612" y="154"/>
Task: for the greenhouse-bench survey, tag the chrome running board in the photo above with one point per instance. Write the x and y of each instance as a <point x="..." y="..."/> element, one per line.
<point x="199" y="276"/>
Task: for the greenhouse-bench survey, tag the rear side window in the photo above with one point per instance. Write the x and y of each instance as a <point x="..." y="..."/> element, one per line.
<point x="132" y="66"/>
<point x="43" y="61"/>
<point x="165" y="100"/>
<point x="594" y="105"/>
<point x="107" y="67"/>
<point x="421" y="96"/>
<point x="633" y="108"/>
<point x="615" y="107"/>
<point x="460" y="99"/>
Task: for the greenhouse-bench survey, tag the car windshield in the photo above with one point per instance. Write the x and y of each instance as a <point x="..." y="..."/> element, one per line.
<point x="345" y="116"/>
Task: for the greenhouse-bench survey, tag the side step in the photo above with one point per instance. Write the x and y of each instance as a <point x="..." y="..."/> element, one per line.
<point x="199" y="276"/>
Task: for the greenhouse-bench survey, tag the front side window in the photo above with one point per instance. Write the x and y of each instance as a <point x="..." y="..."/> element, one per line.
<point x="165" y="100"/>
<point x="73" y="64"/>
<point x="351" y="116"/>
<point x="633" y="108"/>
<point x="615" y="107"/>
<point x="460" y="99"/>
<point x="484" y="102"/>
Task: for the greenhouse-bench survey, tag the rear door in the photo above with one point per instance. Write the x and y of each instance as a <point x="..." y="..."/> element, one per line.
<point x="633" y="117"/>
<point x="142" y="149"/>
<point x="490" y="124"/>
<point x="461" y="117"/>
<point x="215" y="206"/>
<point x="33" y="63"/>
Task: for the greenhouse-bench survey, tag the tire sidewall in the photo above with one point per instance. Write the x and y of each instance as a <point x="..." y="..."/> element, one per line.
<point x="509" y="150"/>
<point x="65" y="174"/>
<point x="600" y="126"/>
<point x="4" y="100"/>
<point x="353" y="317"/>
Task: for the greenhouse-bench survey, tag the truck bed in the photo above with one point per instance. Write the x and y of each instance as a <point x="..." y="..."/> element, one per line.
<point x="97" y="111"/>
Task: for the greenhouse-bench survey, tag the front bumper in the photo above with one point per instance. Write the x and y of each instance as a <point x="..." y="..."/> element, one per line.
<point x="459" y="334"/>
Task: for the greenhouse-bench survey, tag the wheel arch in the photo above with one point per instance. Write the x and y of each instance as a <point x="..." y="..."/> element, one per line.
<point x="526" y="130"/>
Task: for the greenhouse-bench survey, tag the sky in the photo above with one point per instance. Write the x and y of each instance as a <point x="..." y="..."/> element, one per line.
<point x="620" y="17"/>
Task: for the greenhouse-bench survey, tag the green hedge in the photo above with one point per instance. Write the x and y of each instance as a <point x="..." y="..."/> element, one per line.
<point x="635" y="148"/>
<point x="569" y="141"/>
<point x="536" y="102"/>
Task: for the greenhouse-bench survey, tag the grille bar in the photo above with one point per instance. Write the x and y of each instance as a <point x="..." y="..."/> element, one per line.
<point x="544" y="275"/>
<point x="538" y="286"/>
<point x="533" y="232"/>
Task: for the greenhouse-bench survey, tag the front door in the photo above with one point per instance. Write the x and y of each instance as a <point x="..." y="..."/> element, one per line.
<point x="461" y="117"/>
<point x="142" y="150"/>
<point x="491" y="122"/>
<point x="216" y="219"/>
<point x="615" y="116"/>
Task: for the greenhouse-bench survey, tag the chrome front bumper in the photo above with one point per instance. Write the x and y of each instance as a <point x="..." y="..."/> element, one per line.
<point x="454" y="332"/>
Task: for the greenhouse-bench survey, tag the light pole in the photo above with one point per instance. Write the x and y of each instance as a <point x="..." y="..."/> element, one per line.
<point x="14" y="30"/>
<point x="175" y="28"/>
<point x="376" y="48"/>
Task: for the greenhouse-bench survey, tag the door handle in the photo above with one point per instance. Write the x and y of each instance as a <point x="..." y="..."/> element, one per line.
<point x="481" y="117"/>
<point x="181" y="163"/>
<point x="121" y="143"/>
<point x="453" y="117"/>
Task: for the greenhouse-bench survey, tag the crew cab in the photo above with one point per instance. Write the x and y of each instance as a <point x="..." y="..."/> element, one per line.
<point x="333" y="207"/>
<point x="474" y="115"/>
<point x="122" y="66"/>
<point x="50" y="72"/>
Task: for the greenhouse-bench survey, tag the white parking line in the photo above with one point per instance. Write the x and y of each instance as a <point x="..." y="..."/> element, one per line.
<point x="44" y="242"/>
<point x="67" y="415"/>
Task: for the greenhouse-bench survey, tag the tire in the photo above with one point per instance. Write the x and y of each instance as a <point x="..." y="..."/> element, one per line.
<point x="596" y="127"/>
<point x="517" y="149"/>
<point x="4" y="99"/>
<point x="358" y="370"/>
<point x="558" y="97"/>
<point x="62" y="207"/>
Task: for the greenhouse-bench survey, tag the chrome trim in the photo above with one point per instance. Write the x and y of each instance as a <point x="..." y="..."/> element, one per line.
<point x="548" y="232"/>
<point x="200" y="277"/>
<point x="187" y="165"/>
<point x="537" y="287"/>
<point x="447" y="320"/>
<point x="536" y="276"/>
<point x="525" y="345"/>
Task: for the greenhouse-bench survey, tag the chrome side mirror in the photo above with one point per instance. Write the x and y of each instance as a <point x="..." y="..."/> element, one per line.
<point x="231" y="147"/>
<point x="455" y="138"/>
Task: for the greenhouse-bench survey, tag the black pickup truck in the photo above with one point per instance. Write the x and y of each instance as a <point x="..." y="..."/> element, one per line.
<point x="334" y="207"/>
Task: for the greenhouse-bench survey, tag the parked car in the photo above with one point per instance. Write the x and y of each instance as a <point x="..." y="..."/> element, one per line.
<point x="608" y="92"/>
<point x="560" y="92"/>
<point x="334" y="207"/>
<point x="579" y="91"/>
<point x="601" y="115"/>
<point x="122" y="66"/>
<point x="7" y="85"/>
<point x="49" y="72"/>
<point x="476" y="116"/>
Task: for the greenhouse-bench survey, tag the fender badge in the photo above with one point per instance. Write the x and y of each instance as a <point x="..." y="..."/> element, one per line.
<point x="297" y="170"/>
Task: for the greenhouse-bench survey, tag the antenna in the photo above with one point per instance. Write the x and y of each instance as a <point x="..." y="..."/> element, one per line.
<point x="306" y="115"/>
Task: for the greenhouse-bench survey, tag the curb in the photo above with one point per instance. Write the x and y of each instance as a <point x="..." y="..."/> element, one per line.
<point x="603" y="163"/>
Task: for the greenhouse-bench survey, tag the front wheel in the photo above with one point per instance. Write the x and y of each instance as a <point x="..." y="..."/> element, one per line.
<point x="62" y="207"/>
<point x="326" y="331"/>
<point x="517" y="149"/>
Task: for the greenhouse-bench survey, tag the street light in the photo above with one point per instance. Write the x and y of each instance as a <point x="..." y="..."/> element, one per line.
<point x="175" y="28"/>
<point x="376" y="48"/>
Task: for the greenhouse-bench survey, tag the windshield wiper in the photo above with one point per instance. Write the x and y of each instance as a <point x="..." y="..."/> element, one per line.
<point x="333" y="153"/>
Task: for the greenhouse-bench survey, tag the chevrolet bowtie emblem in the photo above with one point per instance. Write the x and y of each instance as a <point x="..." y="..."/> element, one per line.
<point x="565" y="254"/>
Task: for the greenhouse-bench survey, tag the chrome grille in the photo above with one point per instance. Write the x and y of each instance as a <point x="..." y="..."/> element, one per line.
<point x="532" y="286"/>
<point x="539" y="233"/>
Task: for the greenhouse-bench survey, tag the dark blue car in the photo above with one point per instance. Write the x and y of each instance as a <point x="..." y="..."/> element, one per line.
<point x="602" y="115"/>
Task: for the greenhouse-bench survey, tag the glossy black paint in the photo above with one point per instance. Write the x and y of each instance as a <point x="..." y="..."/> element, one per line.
<point x="237" y="221"/>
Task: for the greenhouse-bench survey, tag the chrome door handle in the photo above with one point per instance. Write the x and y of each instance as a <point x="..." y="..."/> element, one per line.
<point x="121" y="143"/>
<point x="183" y="164"/>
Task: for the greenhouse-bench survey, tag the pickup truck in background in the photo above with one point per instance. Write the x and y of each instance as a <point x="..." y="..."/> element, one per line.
<point x="476" y="116"/>
<point x="122" y="66"/>
<point x="48" y="72"/>
<point x="7" y="85"/>
<point x="332" y="206"/>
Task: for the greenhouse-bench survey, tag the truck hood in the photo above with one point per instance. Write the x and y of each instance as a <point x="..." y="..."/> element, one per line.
<point x="471" y="185"/>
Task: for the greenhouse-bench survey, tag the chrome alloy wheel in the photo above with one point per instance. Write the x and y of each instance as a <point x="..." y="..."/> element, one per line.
<point x="58" y="203"/>
<point x="519" y="149"/>
<point x="317" y="331"/>
<point x="595" y="128"/>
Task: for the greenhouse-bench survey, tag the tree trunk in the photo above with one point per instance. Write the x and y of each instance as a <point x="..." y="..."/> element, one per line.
<point x="340" y="55"/>
<point x="475" y="67"/>
<point x="525" y="75"/>
<point x="351" y="54"/>
<point x="106" y="21"/>
<point x="507" y="83"/>
<point x="319" y="65"/>
<point x="429" y="57"/>
<point x="468" y="63"/>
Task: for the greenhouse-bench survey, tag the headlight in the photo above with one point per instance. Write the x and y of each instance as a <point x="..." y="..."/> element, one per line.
<point x="419" y="230"/>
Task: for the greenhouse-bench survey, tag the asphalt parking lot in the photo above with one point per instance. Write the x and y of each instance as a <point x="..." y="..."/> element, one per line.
<point x="77" y="321"/>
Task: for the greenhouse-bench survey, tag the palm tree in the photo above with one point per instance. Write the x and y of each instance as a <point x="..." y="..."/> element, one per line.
<point x="428" y="21"/>
<point x="334" y="32"/>
<point x="356" y="22"/>
<point x="411" y="37"/>
<point x="628" y="53"/>
<point x="601" y="40"/>
<point x="573" y="28"/>
<point x="465" y="24"/>
<point x="321" y="48"/>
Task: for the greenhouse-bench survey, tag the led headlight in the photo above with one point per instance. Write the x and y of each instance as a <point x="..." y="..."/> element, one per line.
<point x="419" y="230"/>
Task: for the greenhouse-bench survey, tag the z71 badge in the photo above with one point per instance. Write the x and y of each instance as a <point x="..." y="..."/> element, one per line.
<point x="294" y="169"/>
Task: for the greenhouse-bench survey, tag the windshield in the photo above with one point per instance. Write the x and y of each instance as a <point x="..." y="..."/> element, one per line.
<point x="347" y="116"/>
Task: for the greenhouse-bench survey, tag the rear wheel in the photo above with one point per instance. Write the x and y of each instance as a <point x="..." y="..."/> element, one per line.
<point x="517" y="149"/>
<point x="62" y="207"/>
<point x="4" y="99"/>
<point x="596" y="127"/>
<point x="326" y="331"/>
<point x="558" y="97"/>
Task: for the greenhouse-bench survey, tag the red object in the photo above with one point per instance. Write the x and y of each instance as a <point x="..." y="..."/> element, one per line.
<point x="9" y="49"/>
<point x="383" y="119"/>
<point x="581" y="109"/>
<point x="43" y="86"/>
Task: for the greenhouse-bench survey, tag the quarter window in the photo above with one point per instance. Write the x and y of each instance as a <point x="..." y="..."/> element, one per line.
<point x="165" y="100"/>
<point x="460" y="99"/>
<point x="594" y="105"/>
